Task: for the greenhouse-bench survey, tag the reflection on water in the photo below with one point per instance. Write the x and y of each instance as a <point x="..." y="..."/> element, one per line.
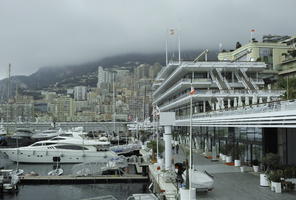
<point x="75" y="192"/>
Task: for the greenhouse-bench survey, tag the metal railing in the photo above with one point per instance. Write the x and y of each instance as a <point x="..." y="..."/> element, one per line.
<point x="228" y="93"/>
<point x="251" y="109"/>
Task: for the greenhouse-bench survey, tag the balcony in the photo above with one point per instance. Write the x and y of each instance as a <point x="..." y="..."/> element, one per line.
<point x="210" y="94"/>
<point x="184" y="83"/>
<point x="271" y="114"/>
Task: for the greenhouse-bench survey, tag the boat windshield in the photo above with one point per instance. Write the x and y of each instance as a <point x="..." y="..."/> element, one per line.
<point x="42" y="144"/>
<point x="66" y="135"/>
<point x="71" y="147"/>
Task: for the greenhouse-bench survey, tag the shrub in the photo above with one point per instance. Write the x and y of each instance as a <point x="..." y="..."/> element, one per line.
<point x="271" y="161"/>
<point x="255" y="162"/>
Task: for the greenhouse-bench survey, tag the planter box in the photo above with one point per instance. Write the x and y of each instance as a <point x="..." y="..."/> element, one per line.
<point x="237" y="163"/>
<point x="277" y="187"/>
<point x="256" y="168"/>
<point x="272" y="186"/>
<point x="228" y="159"/>
<point x="264" y="182"/>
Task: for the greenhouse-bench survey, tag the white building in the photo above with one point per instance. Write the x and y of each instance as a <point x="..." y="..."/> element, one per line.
<point x="80" y="93"/>
<point x="104" y="76"/>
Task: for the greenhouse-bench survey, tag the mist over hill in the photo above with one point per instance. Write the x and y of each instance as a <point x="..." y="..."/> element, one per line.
<point x="49" y="76"/>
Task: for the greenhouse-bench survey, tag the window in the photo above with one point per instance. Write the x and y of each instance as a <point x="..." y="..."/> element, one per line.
<point x="48" y="143"/>
<point x="66" y="135"/>
<point x="58" y="138"/>
<point x="36" y="144"/>
<point x="71" y="147"/>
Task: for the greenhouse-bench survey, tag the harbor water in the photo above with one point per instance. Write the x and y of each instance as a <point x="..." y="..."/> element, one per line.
<point x="121" y="191"/>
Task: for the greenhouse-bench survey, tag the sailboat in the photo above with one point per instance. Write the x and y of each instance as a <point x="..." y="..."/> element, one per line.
<point x="17" y="171"/>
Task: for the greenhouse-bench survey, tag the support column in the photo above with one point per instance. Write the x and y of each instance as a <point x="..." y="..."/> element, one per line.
<point x="168" y="147"/>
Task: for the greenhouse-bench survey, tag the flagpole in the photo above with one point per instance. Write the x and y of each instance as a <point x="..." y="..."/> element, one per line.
<point x="179" y="46"/>
<point x="157" y="135"/>
<point x="190" y="144"/>
<point x="166" y="47"/>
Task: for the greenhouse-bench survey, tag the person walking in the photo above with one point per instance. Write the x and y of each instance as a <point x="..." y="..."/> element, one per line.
<point x="177" y="148"/>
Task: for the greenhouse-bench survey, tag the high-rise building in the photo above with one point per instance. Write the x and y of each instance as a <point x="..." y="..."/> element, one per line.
<point x="80" y="93"/>
<point x="104" y="76"/>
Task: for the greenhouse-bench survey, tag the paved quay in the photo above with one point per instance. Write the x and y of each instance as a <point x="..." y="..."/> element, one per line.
<point x="230" y="183"/>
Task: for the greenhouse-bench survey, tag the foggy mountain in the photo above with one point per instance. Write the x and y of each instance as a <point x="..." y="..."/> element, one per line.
<point x="51" y="75"/>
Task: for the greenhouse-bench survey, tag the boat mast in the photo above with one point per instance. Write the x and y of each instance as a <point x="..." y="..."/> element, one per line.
<point x="8" y="93"/>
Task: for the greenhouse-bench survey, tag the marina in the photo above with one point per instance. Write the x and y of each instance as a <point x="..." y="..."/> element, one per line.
<point x="152" y="100"/>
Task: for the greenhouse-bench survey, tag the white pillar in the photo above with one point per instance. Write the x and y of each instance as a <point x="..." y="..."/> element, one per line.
<point x="168" y="147"/>
<point x="229" y="105"/>
<point x="247" y="102"/>
<point x="222" y="104"/>
<point x="240" y="103"/>
<point x="260" y="100"/>
<point x="235" y="102"/>
<point x="254" y="100"/>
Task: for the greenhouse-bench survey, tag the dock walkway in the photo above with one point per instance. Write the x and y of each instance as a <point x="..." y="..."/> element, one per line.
<point x="68" y="179"/>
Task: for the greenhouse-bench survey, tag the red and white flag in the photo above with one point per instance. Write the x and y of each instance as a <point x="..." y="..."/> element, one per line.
<point x="192" y="91"/>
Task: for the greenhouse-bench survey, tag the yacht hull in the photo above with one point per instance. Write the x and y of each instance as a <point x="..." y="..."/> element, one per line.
<point x="47" y="156"/>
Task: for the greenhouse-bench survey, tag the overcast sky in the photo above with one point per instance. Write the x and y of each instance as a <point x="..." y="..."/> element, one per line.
<point x="36" y="33"/>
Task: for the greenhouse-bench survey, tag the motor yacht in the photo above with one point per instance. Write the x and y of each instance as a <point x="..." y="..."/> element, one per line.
<point x="22" y="133"/>
<point x="47" y="134"/>
<point x="21" y="137"/>
<point x="70" y="147"/>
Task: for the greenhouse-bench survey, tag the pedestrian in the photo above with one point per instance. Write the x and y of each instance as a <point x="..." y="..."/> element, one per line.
<point x="177" y="148"/>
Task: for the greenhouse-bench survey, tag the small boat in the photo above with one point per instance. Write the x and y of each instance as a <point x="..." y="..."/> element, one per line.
<point x="56" y="172"/>
<point x="202" y="181"/>
<point x="8" y="181"/>
<point x="18" y="172"/>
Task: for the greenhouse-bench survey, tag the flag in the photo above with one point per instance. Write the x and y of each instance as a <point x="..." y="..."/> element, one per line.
<point x="192" y="91"/>
<point x="172" y="31"/>
<point x="253" y="30"/>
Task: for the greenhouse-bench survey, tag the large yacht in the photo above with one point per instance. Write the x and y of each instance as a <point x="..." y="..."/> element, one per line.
<point x="70" y="147"/>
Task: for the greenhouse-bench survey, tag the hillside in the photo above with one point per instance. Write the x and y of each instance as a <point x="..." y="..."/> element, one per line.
<point x="70" y="75"/>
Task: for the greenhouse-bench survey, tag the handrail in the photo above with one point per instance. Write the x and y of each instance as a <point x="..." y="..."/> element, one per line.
<point x="253" y="108"/>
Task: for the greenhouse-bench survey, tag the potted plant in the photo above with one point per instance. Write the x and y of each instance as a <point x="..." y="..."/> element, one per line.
<point x="255" y="164"/>
<point x="222" y="153"/>
<point x="238" y="150"/>
<point x="153" y="145"/>
<point x="228" y="152"/>
<point x="270" y="162"/>
<point x="275" y="177"/>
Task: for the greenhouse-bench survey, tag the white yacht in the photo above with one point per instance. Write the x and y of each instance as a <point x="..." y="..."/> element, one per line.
<point x="46" y="151"/>
<point x="47" y="134"/>
<point x="22" y="133"/>
<point x="70" y="147"/>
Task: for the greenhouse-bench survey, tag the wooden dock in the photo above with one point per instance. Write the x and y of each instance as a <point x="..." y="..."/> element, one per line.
<point x="31" y="180"/>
